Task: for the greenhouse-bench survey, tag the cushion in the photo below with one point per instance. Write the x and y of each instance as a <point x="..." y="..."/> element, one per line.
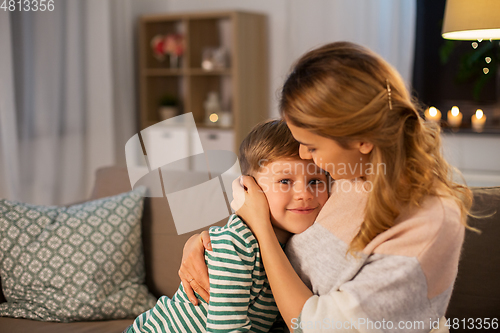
<point x="158" y="228"/>
<point x="14" y="325"/>
<point x="77" y="263"/>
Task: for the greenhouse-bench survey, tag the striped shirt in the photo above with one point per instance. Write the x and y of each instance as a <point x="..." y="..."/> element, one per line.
<point x="240" y="296"/>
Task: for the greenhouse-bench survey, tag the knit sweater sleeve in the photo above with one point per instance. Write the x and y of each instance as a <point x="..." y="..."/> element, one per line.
<point x="403" y="281"/>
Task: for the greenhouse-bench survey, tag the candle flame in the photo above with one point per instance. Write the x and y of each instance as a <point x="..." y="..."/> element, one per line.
<point x="455" y="111"/>
<point x="479" y="113"/>
<point x="432" y="111"/>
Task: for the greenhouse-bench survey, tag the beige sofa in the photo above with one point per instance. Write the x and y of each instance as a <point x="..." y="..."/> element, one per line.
<point x="476" y="293"/>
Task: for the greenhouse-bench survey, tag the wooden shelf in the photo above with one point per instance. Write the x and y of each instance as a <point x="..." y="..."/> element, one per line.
<point x="182" y="71"/>
<point x="202" y="72"/>
<point x="243" y="88"/>
<point x="163" y="72"/>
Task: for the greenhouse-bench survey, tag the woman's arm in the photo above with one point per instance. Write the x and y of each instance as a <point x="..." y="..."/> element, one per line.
<point x="290" y="293"/>
<point x="194" y="271"/>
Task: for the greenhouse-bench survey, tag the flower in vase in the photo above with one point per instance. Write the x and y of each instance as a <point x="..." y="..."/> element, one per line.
<point x="158" y="46"/>
<point x="174" y="44"/>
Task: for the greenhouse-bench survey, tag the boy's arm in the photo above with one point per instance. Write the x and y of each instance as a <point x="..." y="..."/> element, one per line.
<point x="234" y="266"/>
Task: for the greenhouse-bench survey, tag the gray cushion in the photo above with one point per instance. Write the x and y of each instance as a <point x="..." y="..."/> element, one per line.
<point x="158" y="230"/>
<point x="13" y="325"/>
<point x="84" y="262"/>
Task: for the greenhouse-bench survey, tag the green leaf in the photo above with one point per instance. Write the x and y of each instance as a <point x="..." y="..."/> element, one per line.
<point x="446" y="50"/>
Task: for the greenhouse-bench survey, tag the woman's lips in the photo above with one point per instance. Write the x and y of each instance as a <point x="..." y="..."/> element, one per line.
<point x="306" y="210"/>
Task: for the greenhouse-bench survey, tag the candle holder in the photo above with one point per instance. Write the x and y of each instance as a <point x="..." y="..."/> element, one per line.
<point x="432" y="114"/>
<point x="454" y="117"/>
<point x="478" y="121"/>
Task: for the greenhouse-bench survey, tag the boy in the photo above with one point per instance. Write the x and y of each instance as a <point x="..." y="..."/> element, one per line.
<point x="240" y="297"/>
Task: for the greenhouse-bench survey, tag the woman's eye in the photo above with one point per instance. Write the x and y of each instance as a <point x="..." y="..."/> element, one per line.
<point x="285" y="181"/>
<point x="311" y="150"/>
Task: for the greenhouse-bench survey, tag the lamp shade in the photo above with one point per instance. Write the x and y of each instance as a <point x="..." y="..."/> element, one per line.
<point x="471" y="19"/>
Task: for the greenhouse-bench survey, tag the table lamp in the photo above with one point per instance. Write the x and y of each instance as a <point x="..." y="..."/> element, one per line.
<point x="471" y="20"/>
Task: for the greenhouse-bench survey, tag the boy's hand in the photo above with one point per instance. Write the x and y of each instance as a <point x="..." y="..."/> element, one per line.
<point x="250" y="203"/>
<point x="194" y="271"/>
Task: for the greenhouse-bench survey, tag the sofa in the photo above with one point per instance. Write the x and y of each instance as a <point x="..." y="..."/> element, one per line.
<point x="476" y="293"/>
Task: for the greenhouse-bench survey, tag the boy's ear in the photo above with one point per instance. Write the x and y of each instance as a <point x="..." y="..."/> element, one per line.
<point x="365" y="147"/>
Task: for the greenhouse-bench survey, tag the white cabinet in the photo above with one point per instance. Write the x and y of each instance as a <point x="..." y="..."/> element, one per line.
<point x="167" y="145"/>
<point x="477" y="156"/>
<point x="181" y="148"/>
<point x="214" y="139"/>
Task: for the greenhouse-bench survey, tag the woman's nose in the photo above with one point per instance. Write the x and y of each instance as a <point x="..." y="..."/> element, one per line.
<point x="304" y="153"/>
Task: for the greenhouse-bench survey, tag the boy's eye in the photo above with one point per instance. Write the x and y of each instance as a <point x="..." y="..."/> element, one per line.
<point x="316" y="182"/>
<point x="285" y="181"/>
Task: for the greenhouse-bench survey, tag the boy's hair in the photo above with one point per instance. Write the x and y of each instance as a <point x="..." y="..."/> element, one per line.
<point x="267" y="142"/>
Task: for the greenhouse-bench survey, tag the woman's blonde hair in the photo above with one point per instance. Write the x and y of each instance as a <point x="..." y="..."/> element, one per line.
<point x="340" y="91"/>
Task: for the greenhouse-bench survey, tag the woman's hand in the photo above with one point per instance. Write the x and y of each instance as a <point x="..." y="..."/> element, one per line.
<point x="194" y="271"/>
<point x="250" y="203"/>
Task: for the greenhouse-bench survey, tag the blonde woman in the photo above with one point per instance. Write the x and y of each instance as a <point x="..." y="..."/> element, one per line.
<point x="383" y="253"/>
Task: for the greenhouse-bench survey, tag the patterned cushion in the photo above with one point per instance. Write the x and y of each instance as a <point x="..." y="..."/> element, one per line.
<point x="78" y="263"/>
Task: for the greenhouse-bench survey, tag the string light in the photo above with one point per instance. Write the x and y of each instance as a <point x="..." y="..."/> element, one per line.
<point x="214" y="117"/>
<point x="486" y="70"/>
<point x="487" y="59"/>
<point x="475" y="45"/>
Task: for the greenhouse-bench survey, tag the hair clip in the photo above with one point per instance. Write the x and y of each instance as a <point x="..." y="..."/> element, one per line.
<point x="389" y="97"/>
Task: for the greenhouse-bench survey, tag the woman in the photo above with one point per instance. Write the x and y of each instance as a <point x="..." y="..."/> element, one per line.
<point x="383" y="253"/>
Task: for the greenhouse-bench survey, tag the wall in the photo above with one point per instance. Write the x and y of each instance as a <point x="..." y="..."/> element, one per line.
<point x="295" y="26"/>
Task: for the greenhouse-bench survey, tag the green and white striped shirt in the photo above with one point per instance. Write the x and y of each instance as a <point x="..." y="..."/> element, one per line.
<point x="240" y="296"/>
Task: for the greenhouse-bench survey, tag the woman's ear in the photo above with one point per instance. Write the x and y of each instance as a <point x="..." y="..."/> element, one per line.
<point x="365" y="147"/>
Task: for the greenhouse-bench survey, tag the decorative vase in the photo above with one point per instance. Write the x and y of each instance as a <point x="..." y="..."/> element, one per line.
<point x="212" y="109"/>
<point x="174" y="60"/>
<point x="226" y="119"/>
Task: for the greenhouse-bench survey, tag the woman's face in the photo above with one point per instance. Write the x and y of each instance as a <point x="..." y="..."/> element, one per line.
<point x="328" y="154"/>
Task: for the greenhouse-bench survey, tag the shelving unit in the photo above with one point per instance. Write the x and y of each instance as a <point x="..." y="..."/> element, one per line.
<point x="242" y="87"/>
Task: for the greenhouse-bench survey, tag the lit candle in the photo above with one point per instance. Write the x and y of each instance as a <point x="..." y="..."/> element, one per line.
<point x="432" y="114"/>
<point x="454" y="117"/>
<point x="478" y="121"/>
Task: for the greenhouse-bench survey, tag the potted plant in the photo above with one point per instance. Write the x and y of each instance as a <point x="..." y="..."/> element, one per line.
<point x="168" y="107"/>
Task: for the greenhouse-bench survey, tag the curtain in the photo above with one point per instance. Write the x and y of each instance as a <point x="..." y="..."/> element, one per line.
<point x="68" y="107"/>
<point x="385" y="26"/>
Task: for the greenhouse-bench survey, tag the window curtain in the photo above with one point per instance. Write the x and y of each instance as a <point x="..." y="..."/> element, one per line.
<point x="385" y="26"/>
<point x="66" y="98"/>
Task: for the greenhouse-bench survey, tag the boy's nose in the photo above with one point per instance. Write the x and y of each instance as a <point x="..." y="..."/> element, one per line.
<point x="302" y="191"/>
<point x="304" y="153"/>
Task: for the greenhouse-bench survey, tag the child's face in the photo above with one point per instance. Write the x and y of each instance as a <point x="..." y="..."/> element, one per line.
<point x="296" y="191"/>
